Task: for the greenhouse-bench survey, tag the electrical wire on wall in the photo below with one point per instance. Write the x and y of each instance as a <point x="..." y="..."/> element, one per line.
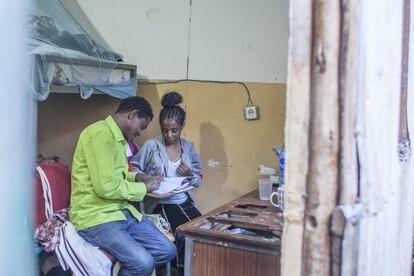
<point x="249" y="98"/>
<point x="251" y="111"/>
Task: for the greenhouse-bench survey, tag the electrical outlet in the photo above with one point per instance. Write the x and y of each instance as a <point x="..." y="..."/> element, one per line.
<point x="251" y="113"/>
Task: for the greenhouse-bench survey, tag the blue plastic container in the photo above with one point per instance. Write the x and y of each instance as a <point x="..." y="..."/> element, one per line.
<point x="282" y="166"/>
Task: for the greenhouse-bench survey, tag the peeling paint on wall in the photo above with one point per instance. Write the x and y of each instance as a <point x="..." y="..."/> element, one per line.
<point x="213" y="163"/>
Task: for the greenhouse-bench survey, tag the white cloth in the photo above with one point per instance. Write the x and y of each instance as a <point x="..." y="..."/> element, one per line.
<point x="172" y="168"/>
<point x="72" y="250"/>
<point x="80" y="256"/>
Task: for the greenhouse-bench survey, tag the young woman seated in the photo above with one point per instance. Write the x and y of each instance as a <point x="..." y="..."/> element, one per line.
<point x="169" y="155"/>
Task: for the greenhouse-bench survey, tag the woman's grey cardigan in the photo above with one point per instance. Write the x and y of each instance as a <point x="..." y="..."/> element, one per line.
<point x="152" y="159"/>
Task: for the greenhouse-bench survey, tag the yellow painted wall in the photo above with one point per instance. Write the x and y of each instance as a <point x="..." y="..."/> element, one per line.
<point x="215" y="124"/>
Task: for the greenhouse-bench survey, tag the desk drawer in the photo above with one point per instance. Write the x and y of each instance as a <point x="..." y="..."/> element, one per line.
<point x="219" y="260"/>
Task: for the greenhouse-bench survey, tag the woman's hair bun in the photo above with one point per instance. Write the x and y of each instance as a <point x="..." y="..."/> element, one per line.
<point x="171" y="99"/>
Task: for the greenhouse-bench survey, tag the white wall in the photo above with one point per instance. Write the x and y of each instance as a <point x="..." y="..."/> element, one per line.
<point x="240" y="40"/>
<point x="152" y="34"/>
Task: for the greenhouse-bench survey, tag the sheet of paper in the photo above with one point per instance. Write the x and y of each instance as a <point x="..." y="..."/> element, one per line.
<point x="183" y="186"/>
<point x="182" y="190"/>
<point x="171" y="183"/>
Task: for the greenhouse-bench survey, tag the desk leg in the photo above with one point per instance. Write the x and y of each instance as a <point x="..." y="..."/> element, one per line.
<point x="188" y="256"/>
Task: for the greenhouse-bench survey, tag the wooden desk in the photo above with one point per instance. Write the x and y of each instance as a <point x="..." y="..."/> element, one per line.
<point x="213" y="248"/>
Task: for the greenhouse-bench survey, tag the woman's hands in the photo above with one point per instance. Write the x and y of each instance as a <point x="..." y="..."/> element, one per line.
<point x="184" y="170"/>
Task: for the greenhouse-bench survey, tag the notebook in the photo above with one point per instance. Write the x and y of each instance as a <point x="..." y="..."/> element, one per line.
<point x="174" y="184"/>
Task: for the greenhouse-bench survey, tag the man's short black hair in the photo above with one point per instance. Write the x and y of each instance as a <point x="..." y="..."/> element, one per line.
<point x="138" y="103"/>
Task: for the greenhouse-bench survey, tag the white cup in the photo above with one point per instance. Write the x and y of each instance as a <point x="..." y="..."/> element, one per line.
<point x="265" y="188"/>
<point x="280" y="198"/>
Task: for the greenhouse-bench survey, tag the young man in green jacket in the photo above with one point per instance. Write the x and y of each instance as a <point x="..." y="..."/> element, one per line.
<point x="102" y="187"/>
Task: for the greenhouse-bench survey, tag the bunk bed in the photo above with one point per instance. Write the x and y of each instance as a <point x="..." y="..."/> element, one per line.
<point x="64" y="58"/>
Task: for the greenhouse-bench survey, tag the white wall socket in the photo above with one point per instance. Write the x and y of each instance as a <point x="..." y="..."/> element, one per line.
<point x="251" y="113"/>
